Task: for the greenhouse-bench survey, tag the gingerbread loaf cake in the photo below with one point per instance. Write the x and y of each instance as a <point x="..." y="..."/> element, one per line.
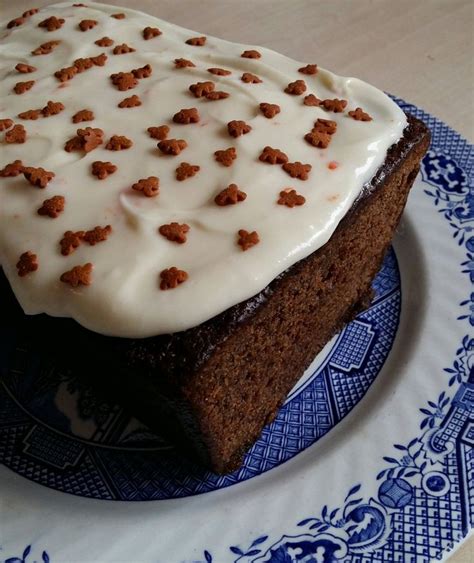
<point x="189" y="246"/>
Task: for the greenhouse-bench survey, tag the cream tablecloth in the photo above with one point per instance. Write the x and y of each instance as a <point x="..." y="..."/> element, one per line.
<point x="422" y="50"/>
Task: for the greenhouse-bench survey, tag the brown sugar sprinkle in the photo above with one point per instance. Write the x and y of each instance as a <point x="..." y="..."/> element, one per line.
<point x="104" y="42"/>
<point x="86" y="140"/>
<point x="150" y="32"/>
<point x="186" y="170"/>
<point x="83" y="64"/>
<point x="30" y="114"/>
<point x="236" y="128"/>
<point x="230" y="196"/>
<point x="131" y="102"/>
<point x="123" y="49"/>
<point x="142" y="72"/>
<point x="219" y="71"/>
<point x="118" y="143"/>
<point x="297" y="170"/>
<point x="83" y="115"/>
<point x="30" y="12"/>
<point x="38" y="177"/>
<point x="99" y="60"/>
<point x="150" y="187"/>
<point x="269" y="110"/>
<point x="12" y="169"/>
<point x="70" y="241"/>
<point x="309" y="69"/>
<point x="45" y="48"/>
<point x="52" y="108"/>
<point x="16" y="135"/>
<point x="251" y="54"/>
<point x="250" y="78"/>
<point x="312" y="100"/>
<point x="200" y="89"/>
<point x="66" y="74"/>
<point x="359" y="115"/>
<point x="124" y="80"/>
<point x="97" y="234"/>
<point x="119" y="16"/>
<point x="174" y="232"/>
<point x="160" y="133"/>
<point x="226" y="157"/>
<point x="318" y="139"/>
<point x="290" y="198"/>
<point x="23" y="68"/>
<point x="79" y="275"/>
<point x="273" y="156"/>
<point x="326" y="126"/>
<point x="22" y="87"/>
<point x="183" y="63"/>
<point x="27" y="263"/>
<point x="16" y="22"/>
<point x="186" y="116"/>
<point x="5" y="124"/>
<point x="172" y="277"/>
<point x="52" y="23"/>
<point x="52" y="207"/>
<point x="247" y="240"/>
<point x="196" y="41"/>
<point x="102" y="169"/>
<point x="172" y="146"/>
<point x="335" y="105"/>
<point x="296" y="88"/>
<point x="85" y="25"/>
<point x="217" y="95"/>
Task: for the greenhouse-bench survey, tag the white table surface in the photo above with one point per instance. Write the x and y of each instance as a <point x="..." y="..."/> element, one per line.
<point x="420" y="50"/>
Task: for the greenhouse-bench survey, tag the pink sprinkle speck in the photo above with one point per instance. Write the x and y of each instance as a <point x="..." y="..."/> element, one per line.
<point x="333" y="165"/>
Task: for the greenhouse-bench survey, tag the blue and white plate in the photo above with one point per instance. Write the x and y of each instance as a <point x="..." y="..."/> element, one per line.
<point x="393" y="480"/>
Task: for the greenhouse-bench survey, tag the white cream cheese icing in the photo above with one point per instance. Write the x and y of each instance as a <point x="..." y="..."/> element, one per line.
<point x="124" y="298"/>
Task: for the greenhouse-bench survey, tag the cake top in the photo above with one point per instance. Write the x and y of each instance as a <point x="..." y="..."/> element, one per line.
<point x="152" y="177"/>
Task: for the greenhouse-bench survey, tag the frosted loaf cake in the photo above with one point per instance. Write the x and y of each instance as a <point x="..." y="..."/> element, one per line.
<point x="208" y="214"/>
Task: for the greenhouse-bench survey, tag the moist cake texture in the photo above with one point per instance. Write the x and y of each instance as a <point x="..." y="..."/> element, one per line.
<point x="202" y="236"/>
